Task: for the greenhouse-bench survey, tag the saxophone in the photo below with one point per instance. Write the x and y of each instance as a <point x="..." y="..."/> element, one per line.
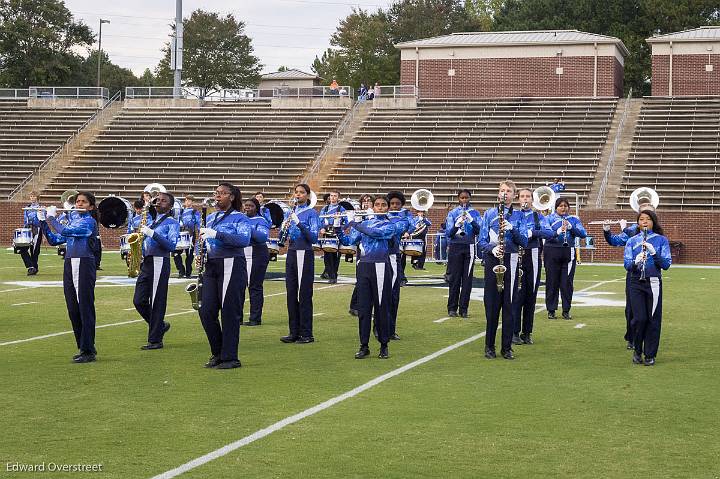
<point x="135" y="240"/>
<point x="195" y="289"/>
<point x="500" y="269"/>
<point x="521" y="253"/>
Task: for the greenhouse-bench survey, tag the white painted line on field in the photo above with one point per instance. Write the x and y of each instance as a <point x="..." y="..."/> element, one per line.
<point x="441" y="320"/>
<point x="542" y="308"/>
<point x="23" y="304"/>
<point x="309" y="412"/>
<point x="129" y="309"/>
<point x="318" y="314"/>
<point x="16" y="289"/>
<point x="580" y="325"/>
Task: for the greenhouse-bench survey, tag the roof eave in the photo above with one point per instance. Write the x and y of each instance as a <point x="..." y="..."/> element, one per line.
<point x="618" y="43"/>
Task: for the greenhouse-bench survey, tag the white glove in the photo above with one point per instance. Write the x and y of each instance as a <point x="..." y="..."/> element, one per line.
<point x="649" y="248"/>
<point x="640" y="258"/>
<point x="41" y="214"/>
<point x="294" y="218"/>
<point x="336" y="222"/>
<point x="208" y="233"/>
<point x="459" y="222"/>
<point x="560" y="231"/>
<point x="469" y="219"/>
<point x="149" y="232"/>
<point x="350" y="216"/>
<point x="51" y="211"/>
<point x="322" y="231"/>
<point x="606" y="225"/>
<point x="507" y="226"/>
<point x="496" y="252"/>
<point x="529" y="235"/>
<point x="623" y="224"/>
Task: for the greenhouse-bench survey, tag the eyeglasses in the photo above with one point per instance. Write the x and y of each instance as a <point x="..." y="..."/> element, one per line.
<point x="222" y="193"/>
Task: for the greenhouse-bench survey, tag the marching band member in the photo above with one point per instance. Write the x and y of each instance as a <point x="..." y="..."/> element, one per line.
<point x="499" y="241"/>
<point x="79" y="270"/>
<point x="366" y="204"/>
<point x="331" y="260"/>
<point x="399" y="218"/>
<point x="374" y="274"/>
<point x="264" y="212"/>
<point x="190" y="222"/>
<point x="560" y="260"/>
<point x="30" y="254"/>
<point x="151" y="288"/>
<point x="646" y="255"/>
<point x="256" y="258"/>
<point x="421" y="221"/>
<point x="300" y="267"/>
<point x="464" y="226"/>
<point x="538" y="230"/>
<point x="226" y="234"/>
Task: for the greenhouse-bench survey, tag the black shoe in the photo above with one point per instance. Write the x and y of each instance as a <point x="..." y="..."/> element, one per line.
<point x="395" y="337"/>
<point x="649" y="361"/>
<point x="228" y="364"/>
<point x="305" y="340"/>
<point x="490" y="353"/>
<point x="452" y="314"/>
<point x="463" y="314"/>
<point x="84" y="358"/>
<point x="79" y="353"/>
<point x="446" y="277"/>
<point x="289" y="338"/>
<point x="630" y="345"/>
<point x="566" y="315"/>
<point x="332" y="281"/>
<point x="32" y="271"/>
<point x="98" y="268"/>
<point x="181" y="275"/>
<point x="324" y="276"/>
<point x="403" y="282"/>
<point x="362" y="353"/>
<point x="507" y="354"/>
<point x="253" y="323"/>
<point x="150" y="346"/>
<point x="551" y="315"/>
<point x="526" y="338"/>
<point x="212" y="362"/>
<point x="516" y="339"/>
<point x="166" y="327"/>
<point x="188" y="276"/>
<point x="637" y="358"/>
<point x="353" y="312"/>
<point x="384" y="352"/>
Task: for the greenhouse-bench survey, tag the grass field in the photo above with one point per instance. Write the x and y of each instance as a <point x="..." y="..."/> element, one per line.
<point x="572" y="405"/>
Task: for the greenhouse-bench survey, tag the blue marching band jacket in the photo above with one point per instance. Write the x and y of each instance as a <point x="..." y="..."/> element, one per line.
<point x="490" y="235"/>
<point x="471" y="228"/>
<point x="233" y="234"/>
<point x="654" y="263"/>
<point x="303" y="235"/>
<point x="30" y="219"/>
<point x="538" y="228"/>
<point x="79" y="234"/>
<point x="134" y="223"/>
<point x="575" y="230"/>
<point x="189" y="219"/>
<point x="259" y="231"/>
<point x="331" y="210"/>
<point x="621" y="238"/>
<point x="374" y="237"/>
<point x="165" y="237"/>
<point x="401" y="221"/>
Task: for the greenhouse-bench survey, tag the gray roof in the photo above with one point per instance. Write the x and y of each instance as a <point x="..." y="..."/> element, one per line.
<point x="693" y="35"/>
<point x="537" y="37"/>
<point x="289" y="75"/>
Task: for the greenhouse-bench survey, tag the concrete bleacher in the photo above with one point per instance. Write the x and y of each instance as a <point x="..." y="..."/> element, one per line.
<point x="676" y="151"/>
<point x="445" y="145"/>
<point x="191" y="150"/>
<point x="28" y="136"/>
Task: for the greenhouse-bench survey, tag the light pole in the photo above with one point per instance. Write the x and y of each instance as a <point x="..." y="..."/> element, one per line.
<point x="176" y="53"/>
<point x="100" y="49"/>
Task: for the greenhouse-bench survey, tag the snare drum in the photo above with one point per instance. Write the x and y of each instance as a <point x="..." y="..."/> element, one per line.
<point x="329" y="245"/>
<point x="124" y="246"/>
<point x="348" y="250"/>
<point x="22" y="237"/>
<point x="273" y="246"/>
<point x="184" y="241"/>
<point x="317" y="247"/>
<point x="412" y="247"/>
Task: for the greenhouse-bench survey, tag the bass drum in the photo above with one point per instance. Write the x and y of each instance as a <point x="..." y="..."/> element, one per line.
<point x="114" y="211"/>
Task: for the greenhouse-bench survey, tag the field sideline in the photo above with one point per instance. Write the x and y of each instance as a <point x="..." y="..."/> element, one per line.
<point x="572" y="405"/>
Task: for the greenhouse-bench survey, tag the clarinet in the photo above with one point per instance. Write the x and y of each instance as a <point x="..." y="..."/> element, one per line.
<point x="643" y="251"/>
<point x="521" y="253"/>
<point x="500" y="269"/>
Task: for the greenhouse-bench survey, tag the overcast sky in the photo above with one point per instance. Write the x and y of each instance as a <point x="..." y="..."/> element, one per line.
<point x="283" y="32"/>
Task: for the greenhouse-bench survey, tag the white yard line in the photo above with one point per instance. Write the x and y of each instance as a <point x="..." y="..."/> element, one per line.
<point x="441" y="320"/>
<point x="580" y="325"/>
<point x="309" y="412"/>
<point x="23" y="304"/>
<point x="17" y="289"/>
<point x="542" y="308"/>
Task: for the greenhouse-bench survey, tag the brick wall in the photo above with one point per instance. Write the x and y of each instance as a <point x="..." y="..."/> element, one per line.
<point x="689" y="75"/>
<point x="514" y="77"/>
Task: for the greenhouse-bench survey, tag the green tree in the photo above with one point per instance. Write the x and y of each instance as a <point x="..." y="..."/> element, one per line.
<point x="283" y="68"/>
<point x="113" y="77"/>
<point x="216" y="55"/>
<point x="416" y="19"/>
<point x="147" y="78"/>
<point x="483" y="12"/>
<point x="38" y="40"/>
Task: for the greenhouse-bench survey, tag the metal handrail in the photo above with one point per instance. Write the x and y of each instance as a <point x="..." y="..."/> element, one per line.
<point x="52" y="91"/>
<point x="313" y="92"/>
<point x="24" y="93"/>
<point x="613" y="153"/>
<point x="65" y="146"/>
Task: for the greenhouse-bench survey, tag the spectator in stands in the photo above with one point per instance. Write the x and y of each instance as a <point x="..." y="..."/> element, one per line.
<point x="376" y="90"/>
<point x="343" y="92"/>
<point x="370" y="93"/>
<point x="557" y="185"/>
<point x="362" y="92"/>
<point x="30" y="254"/>
<point x="334" y="87"/>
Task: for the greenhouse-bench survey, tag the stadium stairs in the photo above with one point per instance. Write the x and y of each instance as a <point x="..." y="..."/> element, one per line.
<point x="445" y="144"/>
<point x="676" y="151"/>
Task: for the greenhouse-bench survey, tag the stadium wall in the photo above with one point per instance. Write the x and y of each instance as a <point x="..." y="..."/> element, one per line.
<point x="699" y="244"/>
<point x="689" y="75"/>
<point x="514" y="77"/>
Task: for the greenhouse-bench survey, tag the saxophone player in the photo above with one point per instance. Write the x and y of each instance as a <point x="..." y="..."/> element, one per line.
<point x="463" y="229"/>
<point x="502" y="231"/>
<point x="151" y="288"/>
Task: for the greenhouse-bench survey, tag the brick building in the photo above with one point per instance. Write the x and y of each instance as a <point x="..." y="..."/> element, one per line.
<point x="686" y="63"/>
<point x="558" y="63"/>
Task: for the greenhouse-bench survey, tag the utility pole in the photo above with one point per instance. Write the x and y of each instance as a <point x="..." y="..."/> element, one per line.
<point x="177" y="49"/>
<point x="100" y="49"/>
